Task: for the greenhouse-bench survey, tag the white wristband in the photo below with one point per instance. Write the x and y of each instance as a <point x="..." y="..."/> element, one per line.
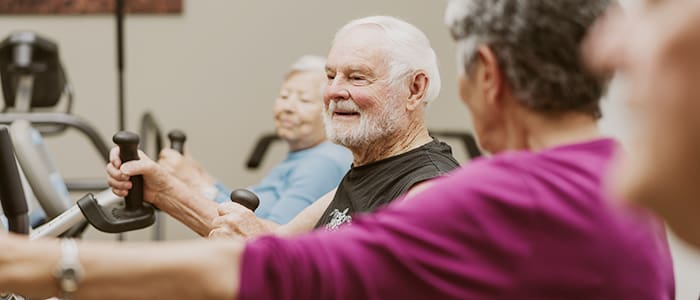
<point x="69" y="271"/>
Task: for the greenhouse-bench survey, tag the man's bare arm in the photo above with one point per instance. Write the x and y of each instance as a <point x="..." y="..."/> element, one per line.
<point x="234" y="220"/>
<point x="307" y="218"/>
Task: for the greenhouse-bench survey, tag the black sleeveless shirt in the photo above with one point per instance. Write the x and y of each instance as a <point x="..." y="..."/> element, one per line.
<point x="367" y="187"/>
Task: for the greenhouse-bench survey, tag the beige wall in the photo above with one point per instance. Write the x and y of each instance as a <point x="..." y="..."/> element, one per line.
<point x="214" y="70"/>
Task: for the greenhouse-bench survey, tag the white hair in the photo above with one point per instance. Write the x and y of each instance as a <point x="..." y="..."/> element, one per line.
<point x="308" y="63"/>
<point x="408" y="48"/>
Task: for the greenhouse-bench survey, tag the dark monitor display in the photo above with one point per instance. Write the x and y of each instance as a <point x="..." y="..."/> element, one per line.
<point x="26" y="53"/>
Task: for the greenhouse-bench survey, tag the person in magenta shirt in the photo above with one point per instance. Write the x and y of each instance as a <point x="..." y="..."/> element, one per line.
<point x="531" y="222"/>
<point x="545" y="232"/>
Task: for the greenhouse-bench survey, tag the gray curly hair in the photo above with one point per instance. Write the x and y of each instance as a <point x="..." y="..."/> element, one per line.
<point x="537" y="44"/>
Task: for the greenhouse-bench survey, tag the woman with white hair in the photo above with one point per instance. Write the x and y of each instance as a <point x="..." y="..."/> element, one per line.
<point x="313" y="166"/>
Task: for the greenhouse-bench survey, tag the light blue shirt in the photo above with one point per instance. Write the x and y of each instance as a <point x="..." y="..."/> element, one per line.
<point x="297" y="182"/>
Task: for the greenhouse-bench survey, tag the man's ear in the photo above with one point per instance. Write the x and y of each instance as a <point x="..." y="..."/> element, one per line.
<point x="418" y="86"/>
<point x="490" y="75"/>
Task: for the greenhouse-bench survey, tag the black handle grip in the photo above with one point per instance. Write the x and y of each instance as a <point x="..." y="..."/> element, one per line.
<point x="177" y="140"/>
<point x="128" y="150"/>
<point x="246" y="198"/>
<point x="134" y="214"/>
<point x="14" y="204"/>
<point x="260" y="149"/>
<point x="115" y="219"/>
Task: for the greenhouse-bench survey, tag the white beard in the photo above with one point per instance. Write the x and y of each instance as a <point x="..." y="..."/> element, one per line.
<point x="387" y="122"/>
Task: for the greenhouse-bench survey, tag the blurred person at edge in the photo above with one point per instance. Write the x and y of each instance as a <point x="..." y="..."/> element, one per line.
<point x="656" y="48"/>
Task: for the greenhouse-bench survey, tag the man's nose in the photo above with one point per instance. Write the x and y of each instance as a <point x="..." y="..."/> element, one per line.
<point x="336" y="90"/>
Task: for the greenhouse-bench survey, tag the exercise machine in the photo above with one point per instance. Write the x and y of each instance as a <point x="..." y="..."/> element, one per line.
<point x="12" y="198"/>
<point x="106" y="212"/>
<point x="34" y="84"/>
<point x="14" y="204"/>
<point x="264" y="141"/>
<point x="39" y="169"/>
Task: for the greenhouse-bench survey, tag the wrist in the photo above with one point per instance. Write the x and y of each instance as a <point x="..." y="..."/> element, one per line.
<point x="203" y="180"/>
<point x="209" y="191"/>
<point x="208" y="179"/>
<point x="196" y="181"/>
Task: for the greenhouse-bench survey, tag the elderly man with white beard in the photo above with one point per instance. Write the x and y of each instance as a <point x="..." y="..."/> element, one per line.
<point x="382" y="73"/>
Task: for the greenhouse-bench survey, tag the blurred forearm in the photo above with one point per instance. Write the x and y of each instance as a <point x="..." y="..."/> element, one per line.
<point x="189" y="270"/>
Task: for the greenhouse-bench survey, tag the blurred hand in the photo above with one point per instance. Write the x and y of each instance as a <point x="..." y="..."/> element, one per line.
<point x="656" y="48"/>
<point x="186" y="169"/>
<point x="235" y="220"/>
<point x="26" y="267"/>
<point x="156" y="179"/>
